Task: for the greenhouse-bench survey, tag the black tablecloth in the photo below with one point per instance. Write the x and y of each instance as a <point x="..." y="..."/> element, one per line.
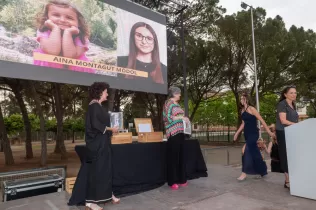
<point x="139" y="167"/>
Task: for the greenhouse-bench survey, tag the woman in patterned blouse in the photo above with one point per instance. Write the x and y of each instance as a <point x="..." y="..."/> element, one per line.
<point x="173" y="117"/>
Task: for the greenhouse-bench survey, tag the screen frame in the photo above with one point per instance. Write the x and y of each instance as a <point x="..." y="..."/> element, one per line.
<point x="38" y="73"/>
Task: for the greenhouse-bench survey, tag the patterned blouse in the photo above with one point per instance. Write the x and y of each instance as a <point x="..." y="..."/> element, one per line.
<point x="171" y="110"/>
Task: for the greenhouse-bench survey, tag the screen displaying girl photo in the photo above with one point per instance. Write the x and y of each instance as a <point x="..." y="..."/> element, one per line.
<point x="144" y="48"/>
<point x="83" y="41"/>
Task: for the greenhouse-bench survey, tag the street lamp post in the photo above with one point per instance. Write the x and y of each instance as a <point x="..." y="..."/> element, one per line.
<point x="244" y="6"/>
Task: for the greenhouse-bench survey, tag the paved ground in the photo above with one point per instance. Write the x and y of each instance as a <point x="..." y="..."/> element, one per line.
<point x="220" y="191"/>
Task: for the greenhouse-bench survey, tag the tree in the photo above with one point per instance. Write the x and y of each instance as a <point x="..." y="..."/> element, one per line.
<point x="40" y="113"/>
<point x="59" y="113"/>
<point x="13" y="124"/>
<point x="60" y="100"/>
<point x="278" y="50"/>
<point x="219" y="110"/>
<point x="74" y="125"/>
<point x="5" y="142"/>
<point x="17" y="88"/>
<point x="268" y="104"/>
<point x="206" y="64"/>
<point x="9" y="104"/>
<point x="305" y="69"/>
<point x="233" y="35"/>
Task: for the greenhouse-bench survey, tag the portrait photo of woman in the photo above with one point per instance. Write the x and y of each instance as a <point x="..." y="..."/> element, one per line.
<point x="143" y="52"/>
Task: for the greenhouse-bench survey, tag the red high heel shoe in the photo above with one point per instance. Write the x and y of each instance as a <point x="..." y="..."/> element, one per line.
<point x="184" y="184"/>
<point x="174" y="187"/>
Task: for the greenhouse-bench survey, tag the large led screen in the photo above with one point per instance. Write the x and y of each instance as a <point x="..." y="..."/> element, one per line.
<point x="83" y="41"/>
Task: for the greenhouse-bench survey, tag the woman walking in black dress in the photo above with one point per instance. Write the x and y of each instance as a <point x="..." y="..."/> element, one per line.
<point x="286" y="115"/>
<point x="253" y="162"/>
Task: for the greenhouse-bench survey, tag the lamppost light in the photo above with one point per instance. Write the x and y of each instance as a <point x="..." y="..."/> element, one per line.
<point x="244" y="5"/>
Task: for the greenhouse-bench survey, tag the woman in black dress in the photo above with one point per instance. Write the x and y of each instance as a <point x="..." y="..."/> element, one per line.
<point x="98" y="144"/>
<point x="286" y="115"/>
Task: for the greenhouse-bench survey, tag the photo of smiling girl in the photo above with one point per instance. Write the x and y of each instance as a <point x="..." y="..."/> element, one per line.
<point x="62" y="31"/>
<point x="144" y="53"/>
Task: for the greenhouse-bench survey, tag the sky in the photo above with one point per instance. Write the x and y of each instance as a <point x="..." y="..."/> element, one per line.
<point x="293" y="12"/>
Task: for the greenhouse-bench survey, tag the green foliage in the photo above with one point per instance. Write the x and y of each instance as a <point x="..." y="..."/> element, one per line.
<point x="14" y="124"/>
<point x="221" y="110"/>
<point x="51" y="125"/>
<point x="76" y="125"/>
<point x="10" y="105"/>
<point x="35" y="122"/>
<point x="268" y="108"/>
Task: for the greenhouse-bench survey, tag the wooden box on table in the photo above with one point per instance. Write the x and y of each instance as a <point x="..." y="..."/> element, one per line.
<point x="122" y="138"/>
<point x="149" y="135"/>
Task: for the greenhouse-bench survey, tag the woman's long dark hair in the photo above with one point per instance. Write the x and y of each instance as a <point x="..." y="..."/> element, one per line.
<point x="248" y="100"/>
<point x="285" y="91"/>
<point x="156" y="73"/>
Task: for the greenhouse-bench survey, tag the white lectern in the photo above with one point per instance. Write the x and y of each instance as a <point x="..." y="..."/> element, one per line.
<point x="301" y="150"/>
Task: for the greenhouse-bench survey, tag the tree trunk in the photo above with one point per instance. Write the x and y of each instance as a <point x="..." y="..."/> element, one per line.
<point x="111" y="98"/>
<point x="117" y="101"/>
<point x="42" y="124"/>
<point x="160" y="100"/>
<point x="73" y="137"/>
<point x="1" y="144"/>
<point x="16" y="88"/>
<point x="60" y="144"/>
<point x="8" y="157"/>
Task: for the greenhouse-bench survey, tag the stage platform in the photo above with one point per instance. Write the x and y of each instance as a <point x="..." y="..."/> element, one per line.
<point x="220" y="190"/>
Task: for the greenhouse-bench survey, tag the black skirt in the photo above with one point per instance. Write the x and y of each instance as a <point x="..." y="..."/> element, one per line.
<point x="282" y="150"/>
<point x="94" y="180"/>
<point x="176" y="173"/>
<point x="275" y="166"/>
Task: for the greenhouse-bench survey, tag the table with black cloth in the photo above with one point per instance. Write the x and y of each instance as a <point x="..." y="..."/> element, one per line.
<point x="139" y="167"/>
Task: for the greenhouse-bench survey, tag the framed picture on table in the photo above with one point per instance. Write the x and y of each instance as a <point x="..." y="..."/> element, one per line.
<point x="116" y="119"/>
<point x="187" y="127"/>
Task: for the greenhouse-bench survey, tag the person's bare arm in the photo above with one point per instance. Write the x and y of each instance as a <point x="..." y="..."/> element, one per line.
<point x="69" y="49"/>
<point x="283" y="119"/>
<point x="52" y="44"/>
<point x="243" y="149"/>
<point x="268" y="149"/>
<point x="258" y="116"/>
<point x="113" y="129"/>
